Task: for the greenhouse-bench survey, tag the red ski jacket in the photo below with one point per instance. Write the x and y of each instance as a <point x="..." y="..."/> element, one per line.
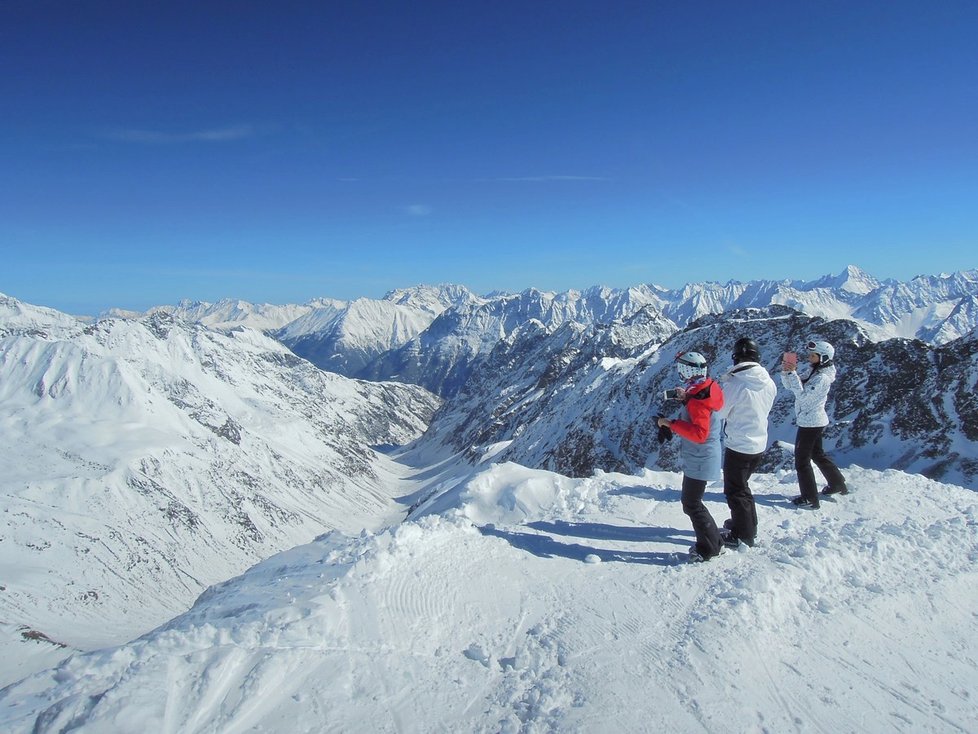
<point x="700" y="401"/>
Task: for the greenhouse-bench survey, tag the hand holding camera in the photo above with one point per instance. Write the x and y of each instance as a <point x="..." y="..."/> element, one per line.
<point x="676" y="393"/>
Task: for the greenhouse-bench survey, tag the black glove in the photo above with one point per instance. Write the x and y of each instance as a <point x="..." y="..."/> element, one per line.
<point x="665" y="433"/>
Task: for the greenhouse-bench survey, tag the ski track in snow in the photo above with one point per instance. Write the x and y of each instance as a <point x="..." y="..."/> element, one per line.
<point x="861" y="617"/>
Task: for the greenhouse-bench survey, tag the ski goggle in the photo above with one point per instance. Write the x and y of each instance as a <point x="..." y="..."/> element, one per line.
<point x="682" y="359"/>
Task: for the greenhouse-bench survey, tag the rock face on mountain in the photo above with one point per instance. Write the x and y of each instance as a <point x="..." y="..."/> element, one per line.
<point x="146" y="459"/>
<point x="570" y="401"/>
<point x="909" y="405"/>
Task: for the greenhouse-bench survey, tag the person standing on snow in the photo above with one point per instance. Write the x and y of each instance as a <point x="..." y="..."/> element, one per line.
<point x="749" y="394"/>
<point x="811" y="392"/>
<point x="699" y="428"/>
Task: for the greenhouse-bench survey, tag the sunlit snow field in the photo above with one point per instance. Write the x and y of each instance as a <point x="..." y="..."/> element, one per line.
<point x="533" y="602"/>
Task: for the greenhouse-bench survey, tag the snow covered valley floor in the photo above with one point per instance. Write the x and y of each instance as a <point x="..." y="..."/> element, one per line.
<point x="518" y="600"/>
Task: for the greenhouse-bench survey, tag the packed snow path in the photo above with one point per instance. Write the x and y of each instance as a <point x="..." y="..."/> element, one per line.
<point x="530" y="602"/>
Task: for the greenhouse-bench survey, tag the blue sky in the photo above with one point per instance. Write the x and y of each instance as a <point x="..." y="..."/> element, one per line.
<point x="275" y="152"/>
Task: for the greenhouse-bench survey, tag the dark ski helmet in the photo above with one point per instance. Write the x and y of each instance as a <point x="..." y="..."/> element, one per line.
<point x="746" y="350"/>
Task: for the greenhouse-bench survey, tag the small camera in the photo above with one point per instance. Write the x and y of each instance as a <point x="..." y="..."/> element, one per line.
<point x="676" y="393"/>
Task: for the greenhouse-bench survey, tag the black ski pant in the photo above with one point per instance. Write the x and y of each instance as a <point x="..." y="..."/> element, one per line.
<point x="707" y="534"/>
<point x="737" y="470"/>
<point x="808" y="449"/>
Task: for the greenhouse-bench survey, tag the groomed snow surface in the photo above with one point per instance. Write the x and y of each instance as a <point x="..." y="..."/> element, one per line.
<point x="529" y="602"/>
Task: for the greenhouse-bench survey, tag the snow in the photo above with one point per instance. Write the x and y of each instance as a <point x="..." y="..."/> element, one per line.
<point x="525" y="601"/>
<point x="146" y="460"/>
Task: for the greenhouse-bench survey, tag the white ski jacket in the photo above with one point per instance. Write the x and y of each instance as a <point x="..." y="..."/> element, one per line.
<point x="748" y="394"/>
<point x="810" y="396"/>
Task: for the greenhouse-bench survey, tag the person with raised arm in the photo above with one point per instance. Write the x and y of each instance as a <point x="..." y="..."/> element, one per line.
<point x="811" y="391"/>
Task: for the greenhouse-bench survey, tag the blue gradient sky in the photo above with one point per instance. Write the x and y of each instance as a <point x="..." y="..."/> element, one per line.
<point x="153" y="151"/>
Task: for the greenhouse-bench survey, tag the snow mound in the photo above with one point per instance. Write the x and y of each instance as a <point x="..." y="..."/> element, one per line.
<point x="493" y="615"/>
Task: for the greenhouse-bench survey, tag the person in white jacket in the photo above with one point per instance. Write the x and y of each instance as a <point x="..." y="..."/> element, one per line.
<point x="749" y="394"/>
<point x="811" y="392"/>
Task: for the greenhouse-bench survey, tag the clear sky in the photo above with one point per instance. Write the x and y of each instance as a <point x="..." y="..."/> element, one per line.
<point x="154" y="150"/>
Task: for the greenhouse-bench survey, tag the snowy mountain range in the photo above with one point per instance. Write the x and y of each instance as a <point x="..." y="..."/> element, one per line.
<point x="934" y="309"/>
<point x="145" y="460"/>
<point x="577" y="399"/>
<point x="435" y="336"/>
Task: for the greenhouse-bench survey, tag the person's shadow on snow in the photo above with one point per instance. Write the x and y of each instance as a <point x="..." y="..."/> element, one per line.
<point x="545" y="546"/>
<point x="602" y="531"/>
<point x="775" y="499"/>
<point x="662" y="495"/>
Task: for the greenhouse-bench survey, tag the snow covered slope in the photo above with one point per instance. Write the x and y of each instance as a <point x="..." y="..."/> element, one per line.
<point x="345" y="337"/>
<point x="145" y="460"/>
<point x="345" y="340"/>
<point x="573" y="400"/>
<point x="24" y="318"/>
<point x="536" y="603"/>
<point x="229" y="313"/>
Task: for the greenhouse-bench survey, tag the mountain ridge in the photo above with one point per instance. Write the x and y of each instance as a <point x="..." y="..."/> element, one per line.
<point x="435" y="335"/>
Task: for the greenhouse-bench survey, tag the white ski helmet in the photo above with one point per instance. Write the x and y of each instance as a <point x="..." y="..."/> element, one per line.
<point x="691" y="365"/>
<point x="823" y="349"/>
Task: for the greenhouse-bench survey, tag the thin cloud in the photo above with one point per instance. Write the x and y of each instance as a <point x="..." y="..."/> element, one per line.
<point x="544" y="179"/>
<point x="160" y="137"/>
<point x="418" y="210"/>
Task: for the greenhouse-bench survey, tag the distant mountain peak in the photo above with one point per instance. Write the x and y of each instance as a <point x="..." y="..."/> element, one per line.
<point x="432" y="298"/>
<point x="852" y="279"/>
<point x="15" y="315"/>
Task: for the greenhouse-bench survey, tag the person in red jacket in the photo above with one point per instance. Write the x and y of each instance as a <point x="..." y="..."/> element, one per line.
<point x="699" y="428"/>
